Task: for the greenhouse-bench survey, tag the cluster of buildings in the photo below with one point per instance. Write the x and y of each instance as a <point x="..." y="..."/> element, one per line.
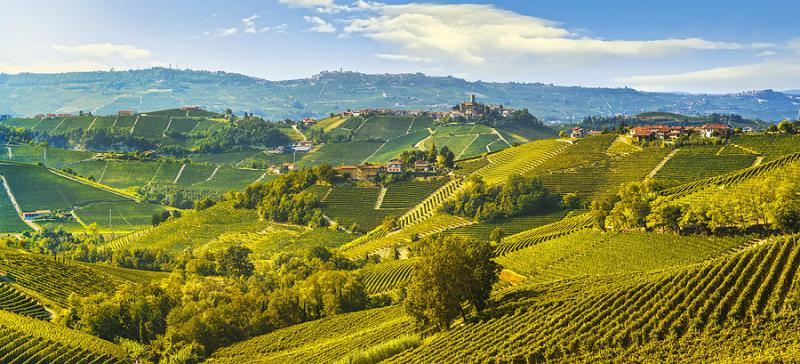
<point x="363" y="172"/>
<point x="578" y="132"/>
<point x="303" y="146"/>
<point x="473" y="110"/>
<point x="666" y="132"/>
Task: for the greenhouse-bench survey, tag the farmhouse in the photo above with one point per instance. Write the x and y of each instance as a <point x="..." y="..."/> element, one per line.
<point x="360" y="172"/>
<point x="125" y="113"/>
<point x="394" y="166"/>
<point x="303" y="146"/>
<point x="423" y="166"/>
<point x="712" y="130"/>
<point x="189" y="107"/>
<point x="34" y="215"/>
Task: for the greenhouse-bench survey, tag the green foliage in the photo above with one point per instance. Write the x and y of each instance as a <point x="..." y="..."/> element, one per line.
<point x="517" y="196"/>
<point x="382" y="351"/>
<point x="451" y="270"/>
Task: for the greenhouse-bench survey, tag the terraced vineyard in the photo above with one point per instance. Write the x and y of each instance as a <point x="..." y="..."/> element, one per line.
<point x="771" y="146"/>
<point x="340" y="153"/>
<point x="26" y="340"/>
<point x="730" y="178"/>
<point x="385" y="276"/>
<point x="589" y="252"/>
<point x="750" y="285"/>
<point x="508" y="226"/>
<point x="692" y="163"/>
<point x="320" y="341"/>
<point x="52" y="280"/>
<point x="406" y="194"/>
<point x="13" y="300"/>
<point x="522" y="159"/>
<point x="430" y="206"/>
<point x="378" y="239"/>
<point x="355" y="205"/>
<point x="118" y="216"/>
<point x="604" y="177"/>
<point x="193" y="229"/>
<point x="544" y="233"/>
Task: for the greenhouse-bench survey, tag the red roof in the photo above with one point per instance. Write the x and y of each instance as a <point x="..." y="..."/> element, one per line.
<point x="716" y="126"/>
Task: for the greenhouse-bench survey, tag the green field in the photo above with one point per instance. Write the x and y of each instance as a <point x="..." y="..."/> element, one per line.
<point x="10" y="221"/>
<point x="353" y="205"/>
<point x="118" y="216"/>
<point x="340" y="153"/>
<point x="384" y="127"/>
<point x="36" y="188"/>
<point x="692" y="163"/>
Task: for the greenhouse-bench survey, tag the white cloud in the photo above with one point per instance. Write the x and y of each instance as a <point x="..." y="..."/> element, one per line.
<point x="281" y="28"/>
<point x="319" y="25"/>
<point x="403" y="58"/>
<point x="221" y="32"/>
<point x="323" y="6"/>
<point x="104" y="50"/>
<point x="473" y="34"/>
<point x="767" y="54"/>
<point x="772" y="75"/>
<point x="249" y="24"/>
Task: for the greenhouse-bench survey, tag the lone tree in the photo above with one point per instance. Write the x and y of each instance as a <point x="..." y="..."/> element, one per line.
<point x="452" y="271"/>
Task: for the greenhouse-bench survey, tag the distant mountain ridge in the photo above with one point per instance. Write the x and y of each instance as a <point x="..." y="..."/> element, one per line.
<point x="160" y="88"/>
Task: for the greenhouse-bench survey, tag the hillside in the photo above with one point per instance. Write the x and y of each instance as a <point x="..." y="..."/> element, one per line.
<point x="327" y="92"/>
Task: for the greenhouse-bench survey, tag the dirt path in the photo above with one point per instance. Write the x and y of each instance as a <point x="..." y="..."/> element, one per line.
<point x="662" y="163"/>
<point x="11" y="197"/>
<point x="411" y="125"/>
<point x="136" y="121"/>
<point x="494" y="131"/>
<point x="421" y="144"/>
<point x="92" y="124"/>
<point x="103" y="173"/>
<point x="59" y="125"/>
<point x="294" y="126"/>
<point x="212" y="174"/>
<point x="175" y="182"/>
<point x="10" y="154"/>
<point x="379" y="200"/>
<point x="467" y="147"/>
<point x="169" y="123"/>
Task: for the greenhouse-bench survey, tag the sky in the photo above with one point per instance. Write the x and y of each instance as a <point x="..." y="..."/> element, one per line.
<point x="692" y="46"/>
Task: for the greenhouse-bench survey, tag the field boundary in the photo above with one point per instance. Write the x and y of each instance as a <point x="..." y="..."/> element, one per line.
<point x="661" y="164"/>
<point x="97" y="185"/>
<point x="14" y="203"/>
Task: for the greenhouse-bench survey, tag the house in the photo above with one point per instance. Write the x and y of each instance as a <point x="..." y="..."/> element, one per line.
<point x="125" y="113"/>
<point x="309" y="121"/>
<point x="303" y="146"/>
<point x="360" y="172"/>
<point x="394" y="166"/>
<point x="277" y="150"/>
<point x="748" y="129"/>
<point x="715" y="130"/>
<point x="189" y="107"/>
<point x="423" y="166"/>
<point x="34" y="215"/>
<point x="281" y="168"/>
<point x="578" y="132"/>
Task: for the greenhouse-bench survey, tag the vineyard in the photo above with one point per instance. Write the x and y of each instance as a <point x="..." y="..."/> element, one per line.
<point x="692" y="163"/>
<point x="36" y="188"/>
<point x="355" y="205"/>
<point x="52" y="280"/>
<point x="730" y="178"/>
<point x="13" y="300"/>
<point x="406" y="194"/>
<point x="772" y="146"/>
<point x="604" y="177"/>
<point x="544" y="233"/>
<point x="26" y="340"/>
<point x="589" y="252"/>
<point x="378" y="240"/>
<point x="386" y="276"/>
<point x="193" y="229"/>
<point x="509" y="226"/>
<point x="750" y="285"/>
<point x="522" y="159"/>
<point x="320" y="341"/>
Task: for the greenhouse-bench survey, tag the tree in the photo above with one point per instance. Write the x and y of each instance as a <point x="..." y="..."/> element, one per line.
<point x="432" y="153"/>
<point x="452" y="270"/>
<point x="50" y="245"/>
<point x="497" y="235"/>
<point x="235" y="262"/>
<point x="562" y="134"/>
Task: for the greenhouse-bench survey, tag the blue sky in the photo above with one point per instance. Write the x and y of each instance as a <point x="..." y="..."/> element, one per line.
<point x="694" y="46"/>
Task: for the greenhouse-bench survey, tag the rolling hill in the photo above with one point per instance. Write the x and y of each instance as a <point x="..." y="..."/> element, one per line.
<point x="327" y="92"/>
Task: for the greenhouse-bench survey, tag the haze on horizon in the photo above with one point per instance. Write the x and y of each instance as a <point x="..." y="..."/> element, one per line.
<point x="713" y="46"/>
